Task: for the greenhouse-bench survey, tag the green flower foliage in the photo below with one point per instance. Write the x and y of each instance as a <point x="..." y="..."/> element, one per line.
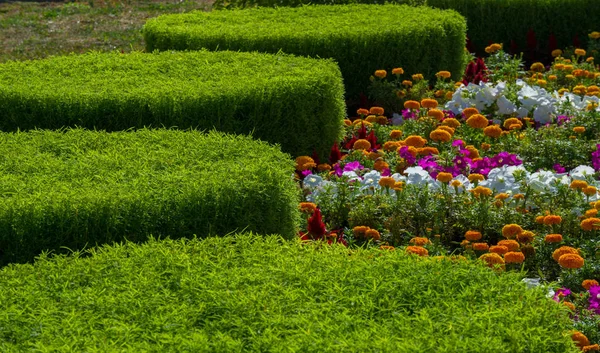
<point x="296" y="102"/>
<point x="78" y="188"/>
<point x="361" y="38"/>
<point x="246" y="293"/>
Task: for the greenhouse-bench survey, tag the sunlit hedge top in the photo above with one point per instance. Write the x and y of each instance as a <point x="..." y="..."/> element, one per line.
<point x="294" y="101"/>
<point x="361" y="38"/>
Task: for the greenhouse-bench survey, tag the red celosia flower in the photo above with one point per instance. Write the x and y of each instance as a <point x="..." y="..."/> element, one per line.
<point x="316" y="227"/>
<point x="335" y="155"/>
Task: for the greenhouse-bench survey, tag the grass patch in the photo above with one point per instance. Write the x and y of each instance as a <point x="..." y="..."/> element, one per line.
<point x="247" y="293"/>
<point x="78" y="188"/>
<point x="33" y="30"/>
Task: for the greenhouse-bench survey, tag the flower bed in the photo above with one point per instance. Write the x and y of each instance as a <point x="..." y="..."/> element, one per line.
<point x="505" y="171"/>
<point x="75" y="189"/>
<point x="249" y="293"/>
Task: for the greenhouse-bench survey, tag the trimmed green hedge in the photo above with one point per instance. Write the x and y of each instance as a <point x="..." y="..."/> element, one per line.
<point x="492" y="20"/>
<point x="294" y="101"/>
<point x="361" y="38"/>
<point x="80" y="188"/>
<point x="253" y="294"/>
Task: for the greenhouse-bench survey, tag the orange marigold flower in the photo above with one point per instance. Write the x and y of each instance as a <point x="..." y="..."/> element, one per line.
<point x="419" y="250"/>
<point x="512" y="122"/>
<point x="514" y="257"/>
<point x="537" y="66"/>
<point x="579" y="129"/>
<point x="399" y="186"/>
<point x="552" y="219"/>
<point x="387" y="182"/>
<point x="473" y="152"/>
<point x="502" y="196"/>
<point x="492" y="260"/>
<point x="562" y="251"/>
<point x="589" y="283"/>
<point x="374" y="155"/>
<point x="380" y="165"/>
<point x="556" y="52"/>
<point x="323" y="167"/>
<point x="397" y="71"/>
<point x="477" y="121"/>
<point x="518" y="196"/>
<point x="589" y="190"/>
<point x="443" y="74"/>
<point x="415" y="141"/>
<point x="359" y="231"/>
<point x="420" y="241"/>
<point x="468" y="112"/>
<point x="444" y="177"/>
<point x="589" y="224"/>
<point x="473" y="235"/>
<point x="475" y="177"/>
<point x="440" y="135"/>
<point x="390" y="146"/>
<point x="380" y="73"/>
<point x="510" y="231"/>
<point x="456" y="183"/>
<point x="511" y="245"/>
<point x="452" y="122"/>
<point x="498" y="249"/>
<point x="429" y="103"/>
<point x="376" y="110"/>
<point x="553" y="238"/>
<point x="362" y="111"/>
<point x="591" y="213"/>
<point x="373" y="234"/>
<point x="580" y="52"/>
<point x="407" y="83"/>
<point x="569" y="305"/>
<point x="361" y="144"/>
<point x="481" y="246"/>
<point x="371" y="118"/>
<point x="493" y="131"/>
<point x="539" y="219"/>
<point x="381" y="120"/>
<point x="590" y="348"/>
<point x="417" y="77"/>
<point x="425" y="151"/>
<point x="412" y="105"/>
<point x="395" y="134"/>
<point x="480" y="190"/>
<point x="525" y="237"/>
<point x="436" y="114"/>
<point x="305" y="163"/>
<point x="485" y="146"/>
<point x="571" y="261"/>
<point x="307" y="207"/>
<point x="580" y="339"/>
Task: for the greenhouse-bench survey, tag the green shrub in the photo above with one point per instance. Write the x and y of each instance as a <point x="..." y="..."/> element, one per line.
<point x="506" y="20"/>
<point x="361" y="38"/>
<point x="247" y="293"/>
<point x="296" y="102"/>
<point x="78" y="188"/>
<point x="492" y="20"/>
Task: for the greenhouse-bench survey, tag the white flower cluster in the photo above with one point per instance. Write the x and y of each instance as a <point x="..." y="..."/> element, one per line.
<point x="503" y="179"/>
<point x="531" y="100"/>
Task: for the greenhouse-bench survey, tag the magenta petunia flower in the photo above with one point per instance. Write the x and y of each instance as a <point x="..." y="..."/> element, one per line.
<point x="595" y="299"/>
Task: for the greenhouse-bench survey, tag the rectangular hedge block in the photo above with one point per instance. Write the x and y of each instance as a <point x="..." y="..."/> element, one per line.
<point x="501" y="21"/>
<point x="262" y="294"/>
<point x="80" y="188"/>
<point x="361" y="38"/>
<point x="293" y="101"/>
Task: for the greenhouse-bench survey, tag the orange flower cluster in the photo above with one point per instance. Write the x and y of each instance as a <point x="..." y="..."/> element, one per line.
<point x="418" y="250"/>
<point x="366" y="232"/>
